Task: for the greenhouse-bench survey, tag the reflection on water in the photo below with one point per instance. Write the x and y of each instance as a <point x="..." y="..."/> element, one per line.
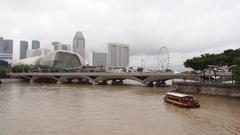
<point x="100" y="110"/>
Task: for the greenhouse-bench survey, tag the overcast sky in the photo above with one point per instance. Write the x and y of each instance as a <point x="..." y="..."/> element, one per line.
<point x="183" y="26"/>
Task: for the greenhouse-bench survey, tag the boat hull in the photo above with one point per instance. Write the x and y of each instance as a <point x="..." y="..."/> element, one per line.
<point x="181" y="104"/>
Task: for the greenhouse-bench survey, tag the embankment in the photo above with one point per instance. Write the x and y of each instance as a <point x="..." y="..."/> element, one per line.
<point x="10" y="80"/>
<point x="231" y="90"/>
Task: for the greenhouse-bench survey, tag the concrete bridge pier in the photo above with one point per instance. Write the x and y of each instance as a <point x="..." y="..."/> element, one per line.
<point x="117" y="82"/>
<point x="150" y="84"/>
<point x="79" y="80"/>
<point x="59" y="82"/>
<point x="69" y="80"/>
<point x="31" y="79"/>
<point x="160" y="83"/>
<point x="104" y="82"/>
<point x="84" y="81"/>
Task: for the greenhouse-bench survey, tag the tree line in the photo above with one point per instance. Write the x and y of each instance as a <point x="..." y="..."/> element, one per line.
<point x="226" y="58"/>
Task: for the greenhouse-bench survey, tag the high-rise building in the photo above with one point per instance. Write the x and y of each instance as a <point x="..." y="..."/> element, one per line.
<point x="79" y="44"/>
<point x="118" y="55"/>
<point x="6" y="49"/>
<point x="1" y="44"/>
<point x="35" y="44"/>
<point x="23" y="49"/>
<point x="97" y="59"/>
<point x="8" y="46"/>
<point x="6" y="56"/>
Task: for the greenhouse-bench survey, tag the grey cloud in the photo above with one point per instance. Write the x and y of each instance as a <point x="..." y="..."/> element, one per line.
<point x="180" y="25"/>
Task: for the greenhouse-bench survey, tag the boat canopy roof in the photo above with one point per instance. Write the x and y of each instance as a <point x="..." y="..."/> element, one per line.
<point x="178" y="94"/>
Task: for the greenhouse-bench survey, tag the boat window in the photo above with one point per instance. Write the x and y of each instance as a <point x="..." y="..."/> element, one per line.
<point x="173" y="97"/>
<point x="189" y="99"/>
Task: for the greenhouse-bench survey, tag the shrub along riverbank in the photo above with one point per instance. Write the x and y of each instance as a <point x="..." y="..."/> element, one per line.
<point x="227" y="58"/>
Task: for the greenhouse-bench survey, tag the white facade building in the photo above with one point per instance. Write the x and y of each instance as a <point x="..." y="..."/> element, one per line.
<point x="37" y="52"/>
<point x="118" y="55"/>
<point x="59" y="46"/>
<point x="55" y="59"/>
<point x="79" y="44"/>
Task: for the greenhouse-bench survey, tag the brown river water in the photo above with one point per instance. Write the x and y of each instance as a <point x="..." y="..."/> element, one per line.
<point x="73" y="109"/>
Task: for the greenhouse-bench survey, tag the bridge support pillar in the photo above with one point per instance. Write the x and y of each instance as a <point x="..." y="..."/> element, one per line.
<point x="79" y="80"/>
<point x="103" y="83"/>
<point x="69" y="80"/>
<point x="84" y="81"/>
<point x="150" y="84"/>
<point x="59" y="82"/>
<point x="31" y="80"/>
<point x="117" y="82"/>
<point x="160" y="83"/>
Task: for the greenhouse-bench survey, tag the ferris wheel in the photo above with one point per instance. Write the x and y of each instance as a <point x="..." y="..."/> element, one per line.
<point x="163" y="58"/>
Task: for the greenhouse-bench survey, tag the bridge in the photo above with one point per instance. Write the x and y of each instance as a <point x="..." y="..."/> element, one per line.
<point x="145" y="78"/>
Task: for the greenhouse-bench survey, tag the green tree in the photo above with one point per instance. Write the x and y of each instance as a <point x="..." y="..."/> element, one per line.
<point x="236" y="75"/>
<point x="228" y="57"/>
<point x="140" y="69"/>
<point x="3" y="72"/>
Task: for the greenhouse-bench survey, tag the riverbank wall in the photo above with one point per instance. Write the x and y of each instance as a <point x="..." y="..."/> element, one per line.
<point x="231" y="90"/>
<point x="3" y="81"/>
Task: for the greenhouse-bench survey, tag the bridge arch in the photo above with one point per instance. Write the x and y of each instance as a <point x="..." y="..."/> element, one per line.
<point x="45" y="78"/>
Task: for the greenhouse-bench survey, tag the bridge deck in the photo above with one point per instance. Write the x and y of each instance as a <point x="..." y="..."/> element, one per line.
<point x="95" y="77"/>
<point x="94" y="74"/>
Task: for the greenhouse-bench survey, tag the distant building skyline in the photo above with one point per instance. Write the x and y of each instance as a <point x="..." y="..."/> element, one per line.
<point x="79" y="44"/>
<point x="35" y="44"/>
<point x="118" y="55"/>
<point x="7" y="48"/>
<point x="23" y="49"/>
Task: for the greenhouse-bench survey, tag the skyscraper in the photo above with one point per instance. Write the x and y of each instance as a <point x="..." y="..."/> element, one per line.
<point x="97" y="59"/>
<point x="6" y="49"/>
<point x="1" y="44"/>
<point x="23" y="49"/>
<point x="118" y="55"/>
<point x="35" y="44"/>
<point x="79" y="44"/>
<point x="8" y="46"/>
